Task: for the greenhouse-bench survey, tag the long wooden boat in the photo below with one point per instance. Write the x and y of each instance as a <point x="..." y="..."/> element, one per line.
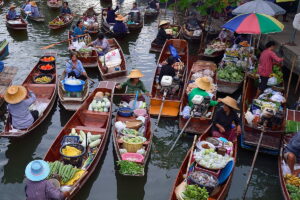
<point x="148" y="134"/>
<point x="250" y="134"/>
<point x="88" y="61"/>
<point x="61" y="21"/>
<point x="6" y="77"/>
<point x="227" y="86"/>
<point x="137" y="26"/>
<point x="55" y="5"/>
<point x="36" y="19"/>
<point x="95" y="16"/>
<point x="221" y="191"/>
<point x="45" y="94"/>
<point x="122" y="69"/>
<point x="156" y="48"/>
<point x="3" y="49"/>
<point x="107" y="27"/>
<point x="87" y="121"/>
<point x="172" y="104"/>
<point x="198" y="125"/>
<point x="18" y="24"/>
<point x="68" y="102"/>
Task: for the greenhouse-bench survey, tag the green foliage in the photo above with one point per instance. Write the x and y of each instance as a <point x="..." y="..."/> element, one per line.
<point x="294" y="192"/>
<point x="130" y="168"/>
<point x="194" y="192"/>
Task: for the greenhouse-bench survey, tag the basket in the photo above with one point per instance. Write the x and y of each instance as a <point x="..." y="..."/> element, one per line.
<point x="208" y="188"/>
<point x="135" y="124"/>
<point x="133" y="157"/>
<point x="73" y="160"/>
<point x="73" y="88"/>
<point x="41" y="75"/>
<point x="132" y="148"/>
<point x="47" y="62"/>
<point x="46" y="71"/>
<point x="125" y="112"/>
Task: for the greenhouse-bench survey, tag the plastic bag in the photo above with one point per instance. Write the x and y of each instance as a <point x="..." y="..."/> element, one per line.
<point x="272" y="81"/>
<point x="120" y="126"/>
<point x="186" y="113"/>
<point x="113" y="58"/>
<point x="249" y="117"/>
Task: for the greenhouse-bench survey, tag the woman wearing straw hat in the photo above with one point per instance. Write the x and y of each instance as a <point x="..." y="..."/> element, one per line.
<point x="134" y="84"/>
<point x="12" y="13"/>
<point x="19" y="100"/>
<point x="37" y="187"/>
<point x="34" y="9"/>
<point x="204" y="87"/>
<point x="27" y="7"/>
<point x="120" y="27"/>
<point x="162" y="35"/>
<point x="223" y="119"/>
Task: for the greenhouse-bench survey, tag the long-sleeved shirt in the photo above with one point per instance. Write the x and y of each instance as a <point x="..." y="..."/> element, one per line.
<point x="294" y="146"/>
<point x="78" y="70"/>
<point x="12" y="14"/>
<point x="266" y="61"/>
<point x="119" y="28"/>
<point x="166" y="70"/>
<point x="27" y="8"/>
<point x="111" y="15"/>
<point x="162" y="36"/>
<point x="198" y="91"/>
<point x="225" y="120"/>
<point x="35" y="11"/>
<point x="131" y="89"/>
<point x="78" y="31"/>
<point x="65" y="10"/>
<point x="42" y="190"/>
<point x="103" y="44"/>
<point x="20" y="113"/>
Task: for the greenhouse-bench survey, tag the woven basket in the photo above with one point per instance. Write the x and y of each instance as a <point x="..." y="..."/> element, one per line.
<point x="132" y="148"/>
<point x="135" y="124"/>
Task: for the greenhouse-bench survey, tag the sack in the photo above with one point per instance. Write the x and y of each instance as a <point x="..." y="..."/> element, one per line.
<point x="113" y="58"/>
<point x="296" y="22"/>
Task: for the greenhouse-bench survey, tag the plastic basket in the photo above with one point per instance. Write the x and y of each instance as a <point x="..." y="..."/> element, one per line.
<point x="73" y="160"/>
<point x="133" y="157"/>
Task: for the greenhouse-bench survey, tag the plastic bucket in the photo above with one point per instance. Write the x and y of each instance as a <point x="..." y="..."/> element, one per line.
<point x="73" y="160"/>
<point x="73" y="88"/>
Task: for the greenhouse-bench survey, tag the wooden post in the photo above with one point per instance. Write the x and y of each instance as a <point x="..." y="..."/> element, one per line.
<point x="290" y="77"/>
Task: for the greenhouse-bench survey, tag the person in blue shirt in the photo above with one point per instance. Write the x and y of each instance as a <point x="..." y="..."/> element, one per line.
<point x="119" y="27"/>
<point x="74" y="68"/>
<point x="34" y="10"/>
<point x="79" y="29"/>
<point x="12" y="13"/>
<point x="27" y="7"/>
<point x="291" y="153"/>
<point x="111" y="15"/>
<point x="65" y="9"/>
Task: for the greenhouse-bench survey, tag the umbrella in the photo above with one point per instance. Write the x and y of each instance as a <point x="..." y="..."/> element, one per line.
<point x="259" y="6"/>
<point x="254" y="23"/>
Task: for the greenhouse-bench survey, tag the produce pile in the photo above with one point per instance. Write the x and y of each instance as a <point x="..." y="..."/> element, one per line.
<point x="293" y="186"/>
<point x="46" y="67"/>
<point x="134" y="139"/>
<point x="215" y="46"/>
<point x="276" y="77"/>
<point x="172" y="31"/>
<point x="65" y="172"/>
<point x="43" y="79"/>
<point x="130" y="168"/>
<point x="57" y="22"/>
<point x="71" y="151"/>
<point x="204" y="179"/>
<point x="210" y="159"/>
<point x="87" y="139"/>
<point x="100" y="102"/>
<point x="72" y="81"/>
<point x="231" y="72"/>
<point x="199" y="74"/>
<point x="194" y="192"/>
<point x="48" y="59"/>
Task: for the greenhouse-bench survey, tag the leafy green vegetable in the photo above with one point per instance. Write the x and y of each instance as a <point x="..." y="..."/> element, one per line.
<point x="194" y="192"/>
<point x="294" y="191"/>
<point x="230" y="73"/>
<point x="130" y="168"/>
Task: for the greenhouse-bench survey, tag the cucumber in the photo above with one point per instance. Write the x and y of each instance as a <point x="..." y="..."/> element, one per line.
<point x="95" y="143"/>
<point x="73" y="130"/>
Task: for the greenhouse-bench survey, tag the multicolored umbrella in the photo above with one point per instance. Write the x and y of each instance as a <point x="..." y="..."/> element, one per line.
<point x="254" y="23"/>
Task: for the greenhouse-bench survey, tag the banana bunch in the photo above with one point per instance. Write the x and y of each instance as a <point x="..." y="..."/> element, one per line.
<point x="291" y="179"/>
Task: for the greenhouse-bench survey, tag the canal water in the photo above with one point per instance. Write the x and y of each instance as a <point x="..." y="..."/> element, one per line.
<point x="105" y="183"/>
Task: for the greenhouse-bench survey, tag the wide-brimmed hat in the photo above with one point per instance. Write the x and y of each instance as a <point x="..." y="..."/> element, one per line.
<point x="135" y="73"/>
<point x="15" y="94"/>
<point x="120" y="18"/>
<point x="230" y="102"/>
<point x="12" y="6"/>
<point x="37" y="170"/>
<point x="163" y="22"/>
<point x="204" y="83"/>
<point x="33" y="3"/>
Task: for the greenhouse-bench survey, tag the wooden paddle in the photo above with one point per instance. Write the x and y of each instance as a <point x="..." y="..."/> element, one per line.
<point x="161" y="107"/>
<point x="52" y="45"/>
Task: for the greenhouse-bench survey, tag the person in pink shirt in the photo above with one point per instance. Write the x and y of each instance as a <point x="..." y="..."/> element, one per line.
<point x="266" y="61"/>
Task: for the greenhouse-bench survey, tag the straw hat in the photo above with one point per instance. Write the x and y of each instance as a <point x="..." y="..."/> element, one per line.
<point x="135" y="73"/>
<point x="15" y="94"/>
<point x="37" y="170"/>
<point x="204" y="83"/>
<point x="12" y="6"/>
<point x="230" y="102"/>
<point x="120" y="18"/>
<point x="163" y="22"/>
<point x="33" y="3"/>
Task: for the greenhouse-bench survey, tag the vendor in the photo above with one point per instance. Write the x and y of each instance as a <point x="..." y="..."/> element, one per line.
<point x="79" y="29"/>
<point x="111" y="15"/>
<point x="119" y="27"/>
<point x="12" y="13"/>
<point x="65" y="9"/>
<point x="154" y="4"/>
<point x="34" y="9"/>
<point x="74" y="68"/>
<point x="162" y="35"/>
<point x="226" y="35"/>
<point x="37" y="186"/>
<point x="223" y="119"/>
<point x="19" y="100"/>
<point x="204" y="85"/>
<point x="102" y="44"/>
<point x="292" y="153"/>
<point x="27" y="7"/>
<point x="168" y="70"/>
<point x="134" y="83"/>
<point x="265" y="67"/>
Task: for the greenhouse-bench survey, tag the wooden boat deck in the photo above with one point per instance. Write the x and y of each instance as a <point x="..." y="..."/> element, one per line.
<point x="6" y="77"/>
<point x="19" y="27"/>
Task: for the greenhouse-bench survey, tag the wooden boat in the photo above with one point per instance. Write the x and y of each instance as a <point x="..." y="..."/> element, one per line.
<point x="215" y="56"/>
<point x="61" y="21"/>
<point x="45" y="94"/>
<point x="221" y="191"/>
<point x="36" y="19"/>
<point x="151" y="12"/>
<point x="132" y="27"/>
<point x="189" y="35"/>
<point x="172" y="104"/>
<point x="6" y="77"/>
<point x="119" y="144"/>
<point x="87" y="121"/>
<point x="122" y="69"/>
<point x="92" y="13"/>
<point x="3" y="49"/>
<point x="228" y="87"/>
<point x="156" y="48"/>
<point x="198" y="125"/>
<point x="250" y="134"/>
<point x="18" y="24"/>
<point x="107" y="27"/>
<point x="68" y="102"/>
<point x="56" y="5"/>
<point x="88" y="60"/>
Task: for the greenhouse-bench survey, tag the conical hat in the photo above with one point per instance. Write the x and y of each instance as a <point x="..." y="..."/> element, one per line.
<point x="15" y="94"/>
<point x="230" y="102"/>
<point x="204" y="83"/>
<point x="135" y="73"/>
<point x="163" y="22"/>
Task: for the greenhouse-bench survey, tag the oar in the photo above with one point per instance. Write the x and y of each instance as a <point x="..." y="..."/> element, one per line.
<point x="254" y="159"/>
<point x="191" y="155"/>
<point x="161" y="107"/>
<point x="52" y="45"/>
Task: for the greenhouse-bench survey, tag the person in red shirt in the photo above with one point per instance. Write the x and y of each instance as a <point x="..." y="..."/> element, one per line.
<point x="266" y="61"/>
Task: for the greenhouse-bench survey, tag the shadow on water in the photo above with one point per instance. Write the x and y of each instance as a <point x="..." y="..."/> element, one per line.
<point x="18" y="35"/>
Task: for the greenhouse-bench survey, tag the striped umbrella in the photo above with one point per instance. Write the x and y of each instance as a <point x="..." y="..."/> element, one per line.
<point x="254" y="23"/>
